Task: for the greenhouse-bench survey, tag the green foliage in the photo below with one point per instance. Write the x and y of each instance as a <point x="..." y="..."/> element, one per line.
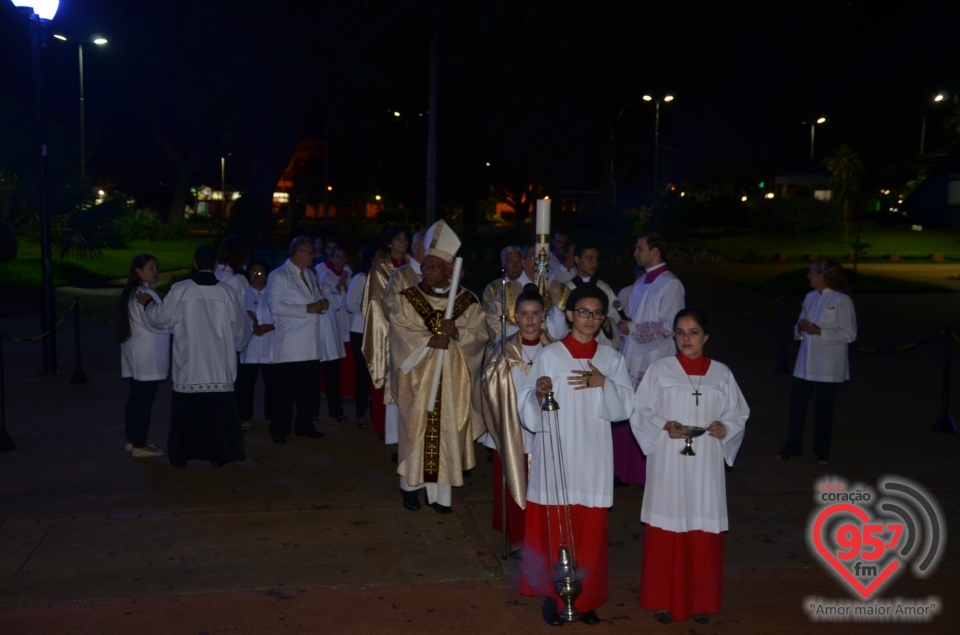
<point x="780" y="216"/>
<point x="144" y="224"/>
<point x="685" y="210"/>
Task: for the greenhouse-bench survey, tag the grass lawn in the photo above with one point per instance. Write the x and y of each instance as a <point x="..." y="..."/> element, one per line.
<point x="883" y="241"/>
<point x="860" y="284"/>
<point x="24" y="271"/>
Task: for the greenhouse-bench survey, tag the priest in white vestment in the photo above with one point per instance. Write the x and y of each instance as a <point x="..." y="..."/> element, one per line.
<point x="209" y="328"/>
<point x="591" y="385"/>
<point x="647" y="335"/>
<point x="509" y="285"/>
<point x="685" y="500"/>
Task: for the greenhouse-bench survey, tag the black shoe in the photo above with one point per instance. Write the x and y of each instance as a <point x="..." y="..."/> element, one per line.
<point x="382" y="437"/>
<point x="441" y="509"/>
<point x="590" y="618"/>
<point x="411" y="500"/>
<point x="279" y="439"/>
<point x="550" y="614"/>
<point x="311" y="434"/>
<point x="467" y="476"/>
<point x="394" y="457"/>
<point x="663" y="617"/>
<point x="701" y="618"/>
<point x="618" y="483"/>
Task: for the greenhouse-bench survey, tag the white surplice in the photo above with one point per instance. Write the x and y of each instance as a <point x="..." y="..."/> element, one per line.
<point x="329" y="279"/>
<point x="260" y="348"/>
<point x="584" y="416"/>
<point x="209" y="328"/>
<point x="235" y="281"/>
<point x="651" y="310"/>
<point x="686" y="493"/>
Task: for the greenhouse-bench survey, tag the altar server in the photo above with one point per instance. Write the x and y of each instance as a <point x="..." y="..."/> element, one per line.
<point x="685" y="500"/>
<point x="591" y="385"/>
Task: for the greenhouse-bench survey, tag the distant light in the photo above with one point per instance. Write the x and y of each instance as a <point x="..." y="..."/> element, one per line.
<point x="668" y="98"/>
<point x="822" y="120"/>
<point x="100" y="40"/>
<point x="396" y="114"/>
<point x="900" y="200"/>
<point x="768" y="195"/>
<point x="488" y="164"/>
<point x="647" y="98"/>
<point x="762" y="184"/>
<point x="546" y="198"/>
<point x="63" y="39"/>
<point x="101" y="193"/>
<point x="743" y="198"/>
<point x="939" y="97"/>
<point x="329" y="188"/>
<point x="45" y="9"/>
<point x="673" y="188"/>
<point x="917" y="228"/>
<point x="683" y="193"/>
<point x="377" y="197"/>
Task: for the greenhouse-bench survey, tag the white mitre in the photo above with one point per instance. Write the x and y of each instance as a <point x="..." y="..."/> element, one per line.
<point x="441" y="241"/>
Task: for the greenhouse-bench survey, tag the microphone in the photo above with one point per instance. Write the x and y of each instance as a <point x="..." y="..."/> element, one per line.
<point x="619" y="309"/>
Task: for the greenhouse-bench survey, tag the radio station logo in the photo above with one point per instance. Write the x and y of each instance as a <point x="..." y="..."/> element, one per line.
<point x="866" y="541"/>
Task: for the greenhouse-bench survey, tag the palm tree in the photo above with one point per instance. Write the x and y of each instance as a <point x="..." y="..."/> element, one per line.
<point x="846" y="174"/>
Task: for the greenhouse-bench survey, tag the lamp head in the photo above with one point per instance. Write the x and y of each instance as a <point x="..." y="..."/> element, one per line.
<point x="668" y="98"/>
<point x="100" y="41"/>
<point x="939" y="97"/>
<point x="45" y="9"/>
<point x="822" y="120"/>
<point x="60" y="37"/>
<point x="647" y="98"/>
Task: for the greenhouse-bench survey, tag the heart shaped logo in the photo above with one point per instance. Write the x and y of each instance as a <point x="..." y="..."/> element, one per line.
<point x="855" y="549"/>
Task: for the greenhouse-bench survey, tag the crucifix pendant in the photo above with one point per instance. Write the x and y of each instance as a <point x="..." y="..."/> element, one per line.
<point x="697" y="394"/>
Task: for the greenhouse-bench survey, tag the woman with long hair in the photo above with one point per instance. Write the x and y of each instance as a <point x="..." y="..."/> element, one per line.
<point x="827" y="325"/>
<point x="685" y="500"/>
<point x="144" y="355"/>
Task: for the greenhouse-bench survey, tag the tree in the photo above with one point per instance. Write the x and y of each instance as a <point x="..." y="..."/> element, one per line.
<point x="846" y="174"/>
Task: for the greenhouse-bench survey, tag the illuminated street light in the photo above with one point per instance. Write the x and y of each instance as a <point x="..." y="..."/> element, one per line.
<point x="329" y="188"/>
<point x="743" y="198"/>
<point x="99" y="41"/>
<point x="938" y="97"/>
<point x="656" y="135"/>
<point x="40" y="11"/>
<point x="768" y="195"/>
<point x="813" y="131"/>
<point x="923" y="126"/>
<point x="396" y="114"/>
<point x="377" y="197"/>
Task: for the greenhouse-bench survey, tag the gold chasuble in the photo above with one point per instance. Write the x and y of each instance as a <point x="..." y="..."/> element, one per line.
<point x="493" y="301"/>
<point x="499" y="399"/>
<point x="375" y="326"/>
<point x="436" y="447"/>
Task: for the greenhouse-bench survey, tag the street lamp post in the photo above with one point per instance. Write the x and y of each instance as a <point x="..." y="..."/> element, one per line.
<point x="83" y="127"/>
<point x="813" y="132"/>
<point x="923" y="126"/>
<point x="43" y="10"/>
<point x="656" y="135"/>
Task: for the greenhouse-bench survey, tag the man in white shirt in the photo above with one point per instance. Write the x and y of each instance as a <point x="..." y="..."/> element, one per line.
<point x="306" y="334"/>
<point x="209" y="329"/>
<point x="654" y="301"/>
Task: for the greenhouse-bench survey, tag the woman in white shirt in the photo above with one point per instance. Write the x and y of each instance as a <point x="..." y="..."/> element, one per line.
<point x="827" y="325"/>
<point x="369" y="254"/>
<point x="144" y="355"/>
<point x="257" y="357"/>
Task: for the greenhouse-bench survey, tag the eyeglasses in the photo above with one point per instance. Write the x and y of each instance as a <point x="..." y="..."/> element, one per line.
<point x="432" y="267"/>
<point x="590" y="258"/>
<point x="587" y="313"/>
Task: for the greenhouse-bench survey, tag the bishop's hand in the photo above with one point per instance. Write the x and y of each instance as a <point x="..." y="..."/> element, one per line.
<point x="441" y="342"/>
<point x="673" y="429"/>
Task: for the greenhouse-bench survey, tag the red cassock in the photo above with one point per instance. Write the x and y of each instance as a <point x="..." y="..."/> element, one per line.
<point x="378" y="410"/>
<point x="516" y="517"/>
<point x="682" y="572"/>
<point x="348" y="373"/>
<point x="590" y="553"/>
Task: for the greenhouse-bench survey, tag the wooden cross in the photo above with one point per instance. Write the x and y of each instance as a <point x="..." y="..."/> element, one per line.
<point x="697" y="394"/>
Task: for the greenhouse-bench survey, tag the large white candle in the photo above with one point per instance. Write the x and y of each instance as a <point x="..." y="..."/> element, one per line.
<point x="543" y="216"/>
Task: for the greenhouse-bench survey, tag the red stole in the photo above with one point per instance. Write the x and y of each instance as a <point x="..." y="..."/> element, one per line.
<point x="579" y="350"/>
<point x="698" y="366"/>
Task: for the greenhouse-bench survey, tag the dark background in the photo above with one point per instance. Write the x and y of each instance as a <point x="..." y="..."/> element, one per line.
<point x="546" y="92"/>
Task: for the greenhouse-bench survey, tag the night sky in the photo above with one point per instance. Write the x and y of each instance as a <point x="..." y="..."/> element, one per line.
<point x="531" y="87"/>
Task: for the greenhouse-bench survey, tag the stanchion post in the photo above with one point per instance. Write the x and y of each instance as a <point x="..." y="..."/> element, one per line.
<point x="945" y="422"/>
<point x="79" y="377"/>
<point x="782" y="367"/>
<point x="6" y="443"/>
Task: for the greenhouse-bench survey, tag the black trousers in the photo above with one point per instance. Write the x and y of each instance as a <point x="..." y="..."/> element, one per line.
<point x="331" y="384"/>
<point x="826" y="393"/>
<point x="362" y="390"/>
<point x="246" y="385"/>
<point x="137" y="411"/>
<point x="296" y="390"/>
